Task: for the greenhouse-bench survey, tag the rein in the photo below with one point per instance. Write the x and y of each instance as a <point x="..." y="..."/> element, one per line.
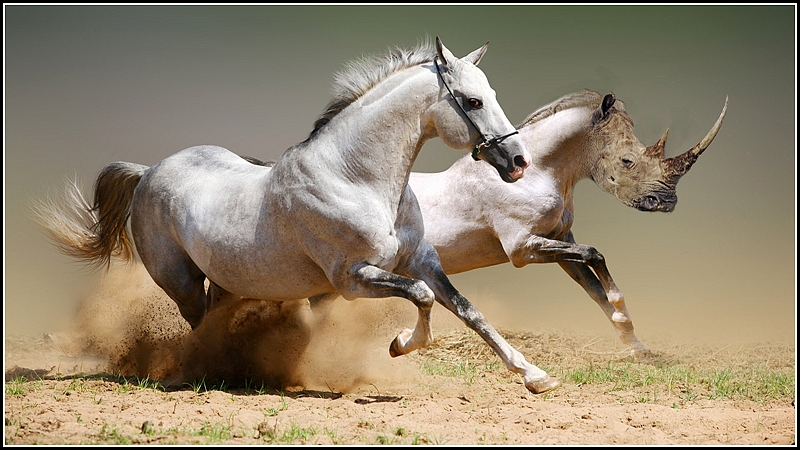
<point x="486" y="143"/>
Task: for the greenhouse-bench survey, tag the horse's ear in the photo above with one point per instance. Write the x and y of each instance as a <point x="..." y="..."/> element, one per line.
<point x="475" y="57"/>
<point x="444" y="54"/>
<point x="602" y="111"/>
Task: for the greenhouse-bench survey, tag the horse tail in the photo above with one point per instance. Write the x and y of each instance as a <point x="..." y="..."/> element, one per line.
<point x="93" y="234"/>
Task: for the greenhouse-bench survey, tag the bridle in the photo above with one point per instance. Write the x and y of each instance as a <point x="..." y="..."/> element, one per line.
<point x="485" y="143"/>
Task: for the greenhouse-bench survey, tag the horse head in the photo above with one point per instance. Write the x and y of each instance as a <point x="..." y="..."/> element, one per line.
<point x="639" y="176"/>
<point x="469" y="116"/>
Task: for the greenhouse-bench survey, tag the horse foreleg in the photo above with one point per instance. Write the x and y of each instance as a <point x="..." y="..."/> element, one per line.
<point x="584" y="276"/>
<point x="368" y="281"/>
<point x="427" y="267"/>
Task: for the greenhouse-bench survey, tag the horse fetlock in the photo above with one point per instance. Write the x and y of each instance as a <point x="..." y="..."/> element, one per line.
<point x="628" y="338"/>
<point x="620" y="318"/>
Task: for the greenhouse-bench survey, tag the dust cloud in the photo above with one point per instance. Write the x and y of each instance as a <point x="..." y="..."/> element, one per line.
<point x="136" y="327"/>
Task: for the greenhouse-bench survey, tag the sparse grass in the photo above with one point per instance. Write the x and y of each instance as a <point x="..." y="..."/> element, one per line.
<point x="384" y="440"/>
<point x="16" y="386"/>
<point x="333" y="435"/>
<point x="758" y="384"/>
<point x="210" y="433"/>
<point x="465" y="369"/>
<point x="147" y="383"/>
<point x="198" y="385"/>
<point x="214" y="432"/>
<point x="294" y="434"/>
<point x="111" y="434"/>
<point x="125" y="386"/>
<point x="274" y="411"/>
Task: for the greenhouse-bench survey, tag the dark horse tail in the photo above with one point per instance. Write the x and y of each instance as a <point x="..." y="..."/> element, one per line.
<point x="93" y="234"/>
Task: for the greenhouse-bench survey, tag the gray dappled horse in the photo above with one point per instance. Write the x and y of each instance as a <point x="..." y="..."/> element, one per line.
<point x="580" y="135"/>
<point x="334" y="215"/>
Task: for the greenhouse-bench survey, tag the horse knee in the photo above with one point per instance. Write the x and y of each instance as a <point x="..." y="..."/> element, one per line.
<point x="593" y="257"/>
<point x="422" y="295"/>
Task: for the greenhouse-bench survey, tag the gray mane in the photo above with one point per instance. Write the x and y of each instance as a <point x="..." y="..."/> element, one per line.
<point x="359" y="76"/>
<point x="585" y="97"/>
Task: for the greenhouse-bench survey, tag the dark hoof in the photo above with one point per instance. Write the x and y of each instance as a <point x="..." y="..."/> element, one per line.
<point x="547" y="383"/>
<point x="394" y="350"/>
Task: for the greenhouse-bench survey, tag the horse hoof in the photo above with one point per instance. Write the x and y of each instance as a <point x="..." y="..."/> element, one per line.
<point x="540" y="386"/>
<point x="394" y="348"/>
<point x="399" y="343"/>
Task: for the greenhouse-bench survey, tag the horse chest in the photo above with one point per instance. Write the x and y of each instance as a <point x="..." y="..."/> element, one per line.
<point x="345" y="221"/>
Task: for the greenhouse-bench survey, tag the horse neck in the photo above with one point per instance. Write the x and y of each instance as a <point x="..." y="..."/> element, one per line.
<point x="378" y="137"/>
<point x="560" y="146"/>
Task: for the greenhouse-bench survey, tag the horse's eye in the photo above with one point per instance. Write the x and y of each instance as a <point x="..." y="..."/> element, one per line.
<point x="628" y="163"/>
<point x="474" y="103"/>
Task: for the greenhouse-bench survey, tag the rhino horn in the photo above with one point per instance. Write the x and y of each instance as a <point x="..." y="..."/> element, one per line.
<point x="678" y="166"/>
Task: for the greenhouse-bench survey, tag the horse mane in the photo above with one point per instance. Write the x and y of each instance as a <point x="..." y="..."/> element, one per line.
<point x="361" y="75"/>
<point x="581" y="98"/>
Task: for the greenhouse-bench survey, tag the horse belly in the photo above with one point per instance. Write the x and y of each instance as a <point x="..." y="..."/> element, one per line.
<point x="253" y="258"/>
<point x="280" y="278"/>
<point x="460" y="252"/>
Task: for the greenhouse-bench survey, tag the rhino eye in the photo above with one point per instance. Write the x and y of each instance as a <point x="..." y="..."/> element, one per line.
<point x="628" y="163"/>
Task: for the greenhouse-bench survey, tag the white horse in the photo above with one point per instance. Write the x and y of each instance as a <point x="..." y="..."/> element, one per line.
<point x="334" y="215"/>
<point x="581" y="135"/>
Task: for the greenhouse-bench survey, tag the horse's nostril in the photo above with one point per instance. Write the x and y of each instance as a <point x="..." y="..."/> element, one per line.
<point x="520" y="161"/>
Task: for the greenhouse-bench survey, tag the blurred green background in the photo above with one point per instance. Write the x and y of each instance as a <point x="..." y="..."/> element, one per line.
<point x="89" y="85"/>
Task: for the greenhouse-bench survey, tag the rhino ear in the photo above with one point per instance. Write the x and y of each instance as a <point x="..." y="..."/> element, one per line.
<point x="601" y="112"/>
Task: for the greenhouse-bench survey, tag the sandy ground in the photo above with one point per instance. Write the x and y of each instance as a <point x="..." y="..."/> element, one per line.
<point x="332" y="381"/>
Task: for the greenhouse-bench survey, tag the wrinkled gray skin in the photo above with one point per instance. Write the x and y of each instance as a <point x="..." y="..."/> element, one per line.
<point x="582" y="135"/>
<point x="333" y="216"/>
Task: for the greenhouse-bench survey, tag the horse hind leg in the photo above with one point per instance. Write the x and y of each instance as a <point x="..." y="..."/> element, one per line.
<point x="217" y="296"/>
<point x="190" y="296"/>
<point x="368" y="281"/>
<point x="605" y="293"/>
<point x="178" y="276"/>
